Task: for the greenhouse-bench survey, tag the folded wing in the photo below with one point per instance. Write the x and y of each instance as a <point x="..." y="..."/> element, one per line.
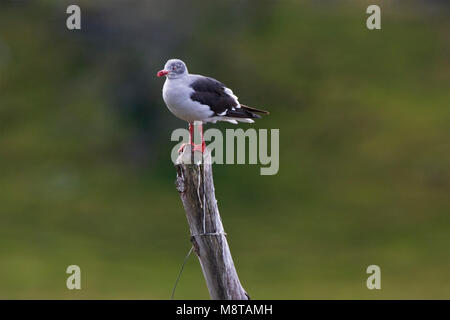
<point x="221" y="100"/>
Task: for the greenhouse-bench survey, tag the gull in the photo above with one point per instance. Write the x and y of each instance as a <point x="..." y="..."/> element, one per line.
<point x="196" y="98"/>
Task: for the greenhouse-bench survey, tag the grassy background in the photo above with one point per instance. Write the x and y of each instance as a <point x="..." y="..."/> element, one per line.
<point x="364" y="176"/>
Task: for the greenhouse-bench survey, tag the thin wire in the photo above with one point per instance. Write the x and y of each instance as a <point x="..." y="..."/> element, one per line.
<point x="204" y="193"/>
<point x="209" y="234"/>
<point x="198" y="185"/>
<point x="181" y="271"/>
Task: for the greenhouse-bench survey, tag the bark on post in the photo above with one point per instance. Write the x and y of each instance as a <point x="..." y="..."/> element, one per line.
<point x="196" y="187"/>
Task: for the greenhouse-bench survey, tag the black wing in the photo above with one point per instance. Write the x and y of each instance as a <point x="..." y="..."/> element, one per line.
<point x="210" y="92"/>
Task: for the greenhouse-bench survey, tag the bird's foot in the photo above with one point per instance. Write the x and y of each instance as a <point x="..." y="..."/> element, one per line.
<point x="199" y="147"/>
<point x="181" y="148"/>
<point x="195" y="147"/>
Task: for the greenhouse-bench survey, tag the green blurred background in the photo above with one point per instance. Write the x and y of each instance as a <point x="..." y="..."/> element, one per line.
<point x="86" y="175"/>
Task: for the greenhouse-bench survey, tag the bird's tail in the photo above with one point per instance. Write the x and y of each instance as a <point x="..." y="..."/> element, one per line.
<point x="244" y="114"/>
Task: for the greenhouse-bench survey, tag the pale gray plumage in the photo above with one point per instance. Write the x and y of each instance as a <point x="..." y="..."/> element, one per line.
<point x="193" y="97"/>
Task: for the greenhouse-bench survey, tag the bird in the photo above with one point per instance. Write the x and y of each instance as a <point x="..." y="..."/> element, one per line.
<point x="197" y="98"/>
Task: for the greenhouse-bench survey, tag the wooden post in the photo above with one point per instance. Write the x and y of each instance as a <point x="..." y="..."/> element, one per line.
<point x="196" y="187"/>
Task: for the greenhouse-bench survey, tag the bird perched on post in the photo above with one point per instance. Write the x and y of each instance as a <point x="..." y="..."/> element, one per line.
<point x="193" y="97"/>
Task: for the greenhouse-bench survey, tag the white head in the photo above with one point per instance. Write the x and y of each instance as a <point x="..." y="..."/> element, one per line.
<point x="174" y="68"/>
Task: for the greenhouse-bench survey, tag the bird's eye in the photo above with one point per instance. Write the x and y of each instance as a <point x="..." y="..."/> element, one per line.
<point x="174" y="68"/>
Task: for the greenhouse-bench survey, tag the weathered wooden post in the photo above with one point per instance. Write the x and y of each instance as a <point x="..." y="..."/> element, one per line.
<point x="196" y="187"/>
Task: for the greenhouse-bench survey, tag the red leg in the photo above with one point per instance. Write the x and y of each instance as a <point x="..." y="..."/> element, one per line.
<point x="191" y="133"/>
<point x="200" y="147"/>
<point x="203" y="140"/>
<point x="195" y="147"/>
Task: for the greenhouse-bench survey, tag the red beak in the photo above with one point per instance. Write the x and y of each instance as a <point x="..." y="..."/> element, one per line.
<point x="162" y="73"/>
